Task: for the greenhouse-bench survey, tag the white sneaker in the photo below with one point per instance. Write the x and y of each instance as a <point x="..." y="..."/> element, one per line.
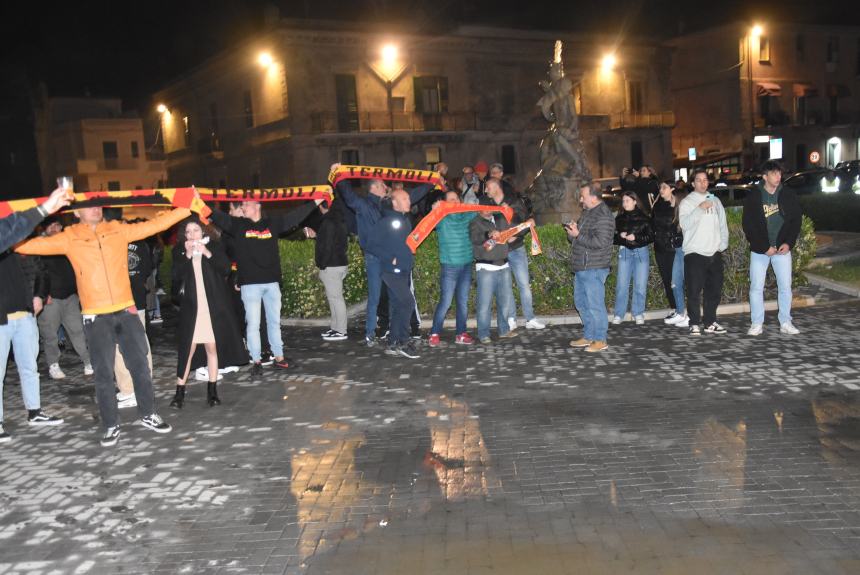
<point x="788" y="329"/>
<point x="640" y="320"/>
<point x="229" y="369"/>
<point x="534" y="324"/>
<point x="676" y="318"/>
<point x="755" y="329"/>
<point x="683" y="322"/>
<point x="616" y="320"/>
<point x="88" y="369"/>
<point x="55" y="372"/>
<point x="123" y="401"/>
<point x="202" y="374"/>
<point x="512" y="323"/>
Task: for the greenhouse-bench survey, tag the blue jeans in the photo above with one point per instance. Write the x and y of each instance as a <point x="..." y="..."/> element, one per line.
<point x="453" y="280"/>
<point x="519" y="263"/>
<point x="23" y="336"/>
<point x="678" y="281"/>
<point x="633" y="264"/>
<point x="270" y="296"/>
<point x="494" y="283"/>
<point x="589" y="297"/>
<point x="373" y="267"/>
<point x="758" y="270"/>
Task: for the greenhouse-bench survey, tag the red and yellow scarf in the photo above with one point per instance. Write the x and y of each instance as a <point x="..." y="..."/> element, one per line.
<point x="389" y="174"/>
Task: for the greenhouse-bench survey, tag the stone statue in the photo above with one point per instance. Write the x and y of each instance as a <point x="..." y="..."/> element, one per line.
<point x="563" y="163"/>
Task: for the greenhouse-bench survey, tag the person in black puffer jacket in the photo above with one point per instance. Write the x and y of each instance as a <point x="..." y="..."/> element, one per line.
<point x="644" y="183"/>
<point x="633" y="233"/>
<point x="668" y="252"/>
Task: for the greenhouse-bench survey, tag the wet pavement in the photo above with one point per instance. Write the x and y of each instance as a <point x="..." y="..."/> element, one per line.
<point x="724" y="454"/>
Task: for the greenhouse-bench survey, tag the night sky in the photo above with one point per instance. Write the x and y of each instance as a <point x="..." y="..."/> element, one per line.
<point x="130" y="50"/>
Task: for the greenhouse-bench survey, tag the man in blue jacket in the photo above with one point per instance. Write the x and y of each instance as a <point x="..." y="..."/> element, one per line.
<point x="387" y="242"/>
<point x="368" y="213"/>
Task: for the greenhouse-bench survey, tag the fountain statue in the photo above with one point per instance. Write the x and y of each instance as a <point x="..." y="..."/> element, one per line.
<point x="555" y="189"/>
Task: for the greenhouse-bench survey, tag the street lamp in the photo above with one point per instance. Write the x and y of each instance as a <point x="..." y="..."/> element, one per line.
<point x="265" y="59"/>
<point x="162" y="109"/>
<point x="389" y="68"/>
<point x="755" y="32"/>
<point x="607" y="64"/>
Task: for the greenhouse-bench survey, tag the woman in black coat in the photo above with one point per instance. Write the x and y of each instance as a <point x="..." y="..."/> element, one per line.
<point x="633" y="233"/>
<point x="200" y="269"/>
<point x="668" y="240"/>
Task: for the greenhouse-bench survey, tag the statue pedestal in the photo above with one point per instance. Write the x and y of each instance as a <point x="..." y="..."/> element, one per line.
<point x="567" y="209"/>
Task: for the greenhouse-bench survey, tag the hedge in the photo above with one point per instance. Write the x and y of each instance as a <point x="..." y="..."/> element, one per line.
<point x="552" y="280"/>
<point x="833" y="212"/>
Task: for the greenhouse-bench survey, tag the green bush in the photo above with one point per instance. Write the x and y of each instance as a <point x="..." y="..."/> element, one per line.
<point x="833" y="212"/>
<point x="552" y="280"/>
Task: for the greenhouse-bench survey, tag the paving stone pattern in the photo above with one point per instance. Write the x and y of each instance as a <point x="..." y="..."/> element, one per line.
<point x="664" y="454"/>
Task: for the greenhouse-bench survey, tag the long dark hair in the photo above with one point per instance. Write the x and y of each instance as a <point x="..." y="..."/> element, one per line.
<point x="631" y="194"/>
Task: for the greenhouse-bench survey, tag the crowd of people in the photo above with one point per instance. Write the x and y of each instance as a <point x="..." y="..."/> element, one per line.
<point x="91" y="280"/>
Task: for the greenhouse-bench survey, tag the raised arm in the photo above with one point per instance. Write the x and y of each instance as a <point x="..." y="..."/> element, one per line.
<point x="55" y="245"/>
<point x="224" y="221"/>
<point x="134" y="232"/>
<point x="17" y="226"/>
<point x="419" y="191"/>
<point x="288" y="222"/>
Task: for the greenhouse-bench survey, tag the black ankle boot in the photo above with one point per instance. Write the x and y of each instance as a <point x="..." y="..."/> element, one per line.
<point x="179" y="399"/>
<point x="212" y="394"/>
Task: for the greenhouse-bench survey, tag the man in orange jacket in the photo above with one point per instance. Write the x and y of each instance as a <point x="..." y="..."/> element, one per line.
<point x="98" y="252"/>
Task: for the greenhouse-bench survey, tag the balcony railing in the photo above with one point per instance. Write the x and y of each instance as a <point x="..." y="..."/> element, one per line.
<point x="108" y="164"/>
<point x="327" y="122"/>
<point x="634" y="120"/>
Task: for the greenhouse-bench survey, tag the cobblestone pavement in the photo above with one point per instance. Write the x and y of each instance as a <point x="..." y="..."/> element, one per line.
<point x="724" y="454"/>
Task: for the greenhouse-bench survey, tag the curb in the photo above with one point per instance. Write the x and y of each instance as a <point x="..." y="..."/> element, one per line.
<point x="725" y="309"/>
<point x="826" y="261"/>
<point x="832" y="285"/>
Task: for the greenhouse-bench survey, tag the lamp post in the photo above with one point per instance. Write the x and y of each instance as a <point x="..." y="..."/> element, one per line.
<point x="389" y="69"/>
<point x="755" y="32"/>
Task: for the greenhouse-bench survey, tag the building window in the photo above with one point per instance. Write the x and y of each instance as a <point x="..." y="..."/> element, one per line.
<point x="431" y="94"/>
<point x="834" y="108"/>
<point x="432" y="156"/>
<point x="114" y="186"/>
<point x="636" y="156"/>
<point x="800" y="157"/>
<point x="186" y="123"/>
<point x="109" y="149"/>
<point x="135" y="152"/>
<point x="347" y="103"/>
<point x="509" y="158"/>
<point x="833" y="50"/>
<point x="350" y="157"/>
<point x="800" y="110"/>
<point x="763" y="50"/>
<point x="248" y="107"/>
<point x="635" y="97"/>
<point x="800" y="48"/>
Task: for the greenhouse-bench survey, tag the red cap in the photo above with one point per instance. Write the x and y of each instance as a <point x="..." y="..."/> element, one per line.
<point x="482" y="167"/>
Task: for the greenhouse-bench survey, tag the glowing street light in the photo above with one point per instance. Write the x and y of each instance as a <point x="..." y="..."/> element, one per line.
<point x="608" y="63"/>
<point x="161" y="109"/>
<point x="389" y="54"/>
<point x="265" y="59"/>
<point x="757" y="31"/>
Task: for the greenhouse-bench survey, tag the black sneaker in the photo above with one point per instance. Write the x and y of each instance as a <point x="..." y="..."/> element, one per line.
<point x="695" y="330"/>
<point x="392" y="349"/>
<point x="408" y="350"/>
<point x="266" y="358"/>
<point x="715" y="328"/>
<point x="4" y="437"/>
<point x="334" y="336"/>
<point x="110" y="437"/>
<point x="326" y="334"/>
<point x="156" y="424"/>
<point x="256" y="369"/>
<point x="41" y="419"/>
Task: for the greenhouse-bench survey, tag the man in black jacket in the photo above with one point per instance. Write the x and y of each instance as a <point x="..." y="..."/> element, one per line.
<point x="332" y="240"/>
<point x="771" y="223"/>
<point x="61" y="307"/>
<point x="18" y="328"/>
<point x="259" y="267"/>
<point x="387" y="242"/>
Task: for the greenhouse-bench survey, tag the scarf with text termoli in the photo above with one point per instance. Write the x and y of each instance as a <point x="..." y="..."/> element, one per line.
<point x="437" y="214"/>
<point x="389" y="174"/>
<point x="177" y="198"/>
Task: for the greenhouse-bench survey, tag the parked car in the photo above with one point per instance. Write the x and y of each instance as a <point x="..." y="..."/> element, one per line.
<point x="820" y="180"/>
<point x="851" y="166"/>
<point x="731" y="194"/>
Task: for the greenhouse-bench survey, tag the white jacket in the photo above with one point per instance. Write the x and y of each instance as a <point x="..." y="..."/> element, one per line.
<point x="705" y="231"/>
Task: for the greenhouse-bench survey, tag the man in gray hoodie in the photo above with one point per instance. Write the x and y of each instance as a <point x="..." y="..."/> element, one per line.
<point x="592" y="239"/>
<point x="706" y="234"/>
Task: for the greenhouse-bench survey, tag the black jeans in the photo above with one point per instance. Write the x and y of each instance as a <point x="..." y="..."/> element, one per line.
<point x="665" y="263"/>
<point x="703" y="273"/>
<point x="384" y="310"/>
<point x="104" y="333"/>
<point x="402" y="306"/>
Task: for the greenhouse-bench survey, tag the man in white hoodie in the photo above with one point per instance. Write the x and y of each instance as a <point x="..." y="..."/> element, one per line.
<point x="706" y="236"/>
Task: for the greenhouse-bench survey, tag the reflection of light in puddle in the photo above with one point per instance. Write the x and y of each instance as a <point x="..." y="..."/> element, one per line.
<point x="778" y="416"/>
<point x="458" y="455"/>
<point x="722" y="453"/>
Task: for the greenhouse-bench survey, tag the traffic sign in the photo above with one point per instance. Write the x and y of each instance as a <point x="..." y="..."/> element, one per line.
<point x="814" y="157"/>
